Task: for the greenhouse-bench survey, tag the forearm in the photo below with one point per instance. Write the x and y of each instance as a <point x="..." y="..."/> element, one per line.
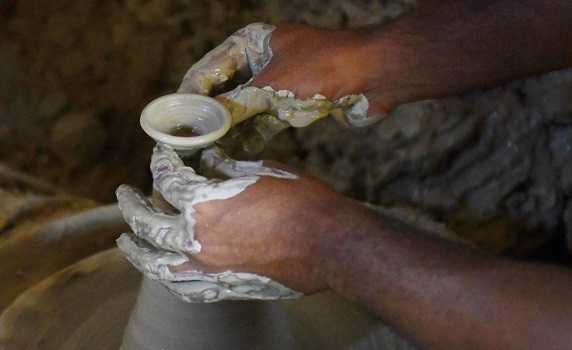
<point x="446" y="47"/>
<point x="444" y="295"/>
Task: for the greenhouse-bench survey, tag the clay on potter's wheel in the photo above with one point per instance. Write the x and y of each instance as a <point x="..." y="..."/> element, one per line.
<point x="160" y="320"/>
<point x="85" y="306"/>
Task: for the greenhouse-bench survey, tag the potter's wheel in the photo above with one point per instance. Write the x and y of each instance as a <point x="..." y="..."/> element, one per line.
<point x="87" y="306"/>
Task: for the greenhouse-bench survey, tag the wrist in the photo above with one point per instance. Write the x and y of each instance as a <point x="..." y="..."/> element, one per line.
<point x="350" y="225"/>
<point x="387" y="66"/>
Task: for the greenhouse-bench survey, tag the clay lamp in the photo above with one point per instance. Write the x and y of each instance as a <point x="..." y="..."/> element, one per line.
<point x="186" y="122"/>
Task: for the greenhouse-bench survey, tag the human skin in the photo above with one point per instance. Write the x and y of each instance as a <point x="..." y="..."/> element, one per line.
<point x="306" y="236"/>
<point x="441" y="48"/>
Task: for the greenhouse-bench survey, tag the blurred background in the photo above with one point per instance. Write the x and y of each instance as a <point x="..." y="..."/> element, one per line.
<point x="494" y="166"/>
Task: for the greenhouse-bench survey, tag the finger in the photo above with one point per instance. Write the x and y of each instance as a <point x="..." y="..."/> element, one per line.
<point x="162" y="264"/>
<point x="155" y="264"/>
<point x="172" y="178"/>
<point x="195" y="291"/>
<point x="228" y="285"/>
<point x="165" y="231"/>
<point x="206" y="292"/>
<point x="150" y="260"/>
<point x="215" y="68"/>
<point x="165" y="160"/>
<point x="353" y="110"/>
<point x="245" y="102"/>
<point x="259" y="131"/>
<point x="359" y="113"/>
<point x="217" y="164"/>
<point x="249" y="139"/>
<point x="187" y="279"/>
<point x="246" y="51"/>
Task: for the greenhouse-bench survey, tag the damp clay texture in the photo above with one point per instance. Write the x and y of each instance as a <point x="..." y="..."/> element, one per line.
<point x="493" y="165"/>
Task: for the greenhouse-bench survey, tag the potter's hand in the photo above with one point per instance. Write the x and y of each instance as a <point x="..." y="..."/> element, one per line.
<point x="246" y="54"/>
<point x="243" y="220"/>
<point x="243" y="54"/>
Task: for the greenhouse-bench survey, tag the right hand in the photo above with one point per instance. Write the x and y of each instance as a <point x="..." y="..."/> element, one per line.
<point x="324" y="70"/>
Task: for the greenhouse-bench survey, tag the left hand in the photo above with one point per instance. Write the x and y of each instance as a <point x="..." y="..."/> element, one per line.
<point x="251" y="217"/>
